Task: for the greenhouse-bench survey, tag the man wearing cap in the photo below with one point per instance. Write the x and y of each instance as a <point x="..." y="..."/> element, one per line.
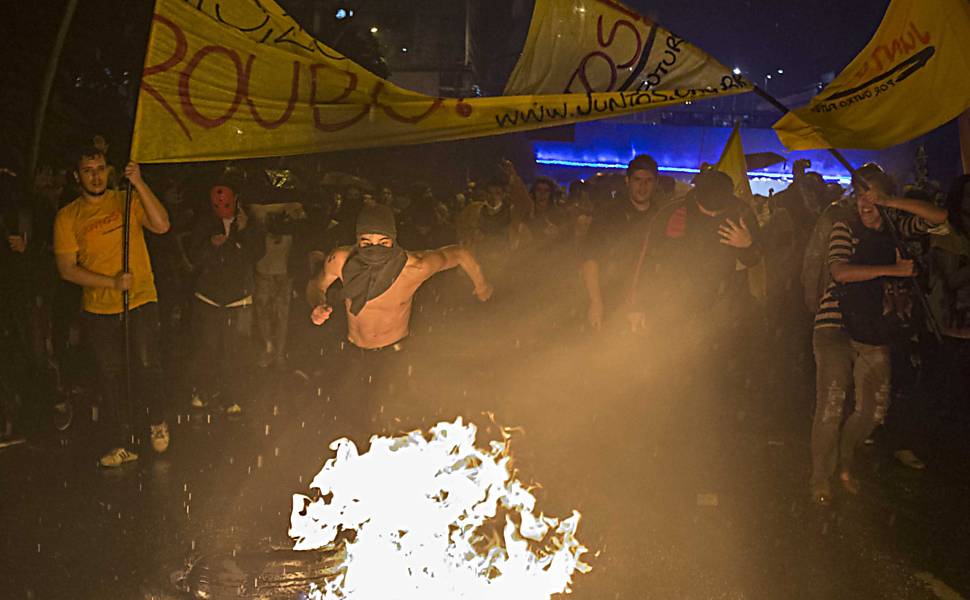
<point x="380" y="278"/>
<point x="692" y="253"/>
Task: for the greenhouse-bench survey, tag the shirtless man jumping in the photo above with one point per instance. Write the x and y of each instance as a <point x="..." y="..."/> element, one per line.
<point x="380" y="279"/>
<point x="379" y="282"/>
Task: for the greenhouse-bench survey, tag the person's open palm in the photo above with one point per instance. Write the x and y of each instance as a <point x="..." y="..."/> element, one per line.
<point x="734" y="234"/>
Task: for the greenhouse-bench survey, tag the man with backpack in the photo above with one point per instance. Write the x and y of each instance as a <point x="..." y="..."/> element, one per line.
<point x="866" y="306"/>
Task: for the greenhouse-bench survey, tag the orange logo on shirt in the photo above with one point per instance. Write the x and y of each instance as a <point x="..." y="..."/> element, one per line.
<point x="102" y="224"/>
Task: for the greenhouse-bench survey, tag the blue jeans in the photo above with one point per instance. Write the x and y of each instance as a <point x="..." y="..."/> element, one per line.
<point x="844" y="365"/>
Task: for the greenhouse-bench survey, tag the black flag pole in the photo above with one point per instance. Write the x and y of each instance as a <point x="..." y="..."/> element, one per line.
<point x="890" y="226"/>
<point x="126" y="300"/>
<point x="149" y="11"/>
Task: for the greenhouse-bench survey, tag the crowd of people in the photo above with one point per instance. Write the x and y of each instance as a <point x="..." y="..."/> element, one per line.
<point x="244" y="271"/>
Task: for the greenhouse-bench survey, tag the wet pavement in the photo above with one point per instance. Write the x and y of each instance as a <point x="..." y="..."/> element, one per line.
<point x="715" y="505"/>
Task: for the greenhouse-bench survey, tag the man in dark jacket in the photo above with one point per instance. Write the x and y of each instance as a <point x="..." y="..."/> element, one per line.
<point x="689" y="270"/>
<point x="223" y="248"/>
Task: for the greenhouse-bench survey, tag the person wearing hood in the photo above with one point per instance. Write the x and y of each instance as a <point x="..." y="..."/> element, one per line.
<point x="379" y="282"/>
<point x="223" y="248"/>
<point x="380" y="278"/>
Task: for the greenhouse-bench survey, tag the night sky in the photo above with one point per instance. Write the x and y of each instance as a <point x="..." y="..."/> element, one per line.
<point x="805" y="39"/>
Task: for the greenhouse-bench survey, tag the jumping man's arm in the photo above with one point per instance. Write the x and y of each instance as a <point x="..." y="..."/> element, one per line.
<point x="321" y="282"/>
<point x="450" y="257"/>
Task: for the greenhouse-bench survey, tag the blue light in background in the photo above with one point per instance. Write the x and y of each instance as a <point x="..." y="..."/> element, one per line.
<point x="680" y="149"/>
<point x="668" y="169"/>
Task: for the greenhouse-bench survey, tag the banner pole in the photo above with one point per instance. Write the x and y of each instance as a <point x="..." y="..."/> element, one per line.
<point x="126" y="237"/>
<point x="126" y="300"/>
<point x="890" y="226"/>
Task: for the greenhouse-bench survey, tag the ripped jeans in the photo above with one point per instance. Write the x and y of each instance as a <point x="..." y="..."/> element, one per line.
<point x="843" y="365"/>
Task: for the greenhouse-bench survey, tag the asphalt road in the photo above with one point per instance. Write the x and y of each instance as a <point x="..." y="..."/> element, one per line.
<point x="711" y="504"/>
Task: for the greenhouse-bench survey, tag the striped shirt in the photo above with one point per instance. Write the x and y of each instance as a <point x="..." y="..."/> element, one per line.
<point x="842" y="246"/>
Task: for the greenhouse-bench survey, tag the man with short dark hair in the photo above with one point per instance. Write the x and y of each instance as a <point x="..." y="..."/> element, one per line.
<point x="88" y="243"/>
<point x="611" y="250"/>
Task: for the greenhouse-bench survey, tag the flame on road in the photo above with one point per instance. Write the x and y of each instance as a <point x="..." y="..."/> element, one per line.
<point x="434" y="518"/>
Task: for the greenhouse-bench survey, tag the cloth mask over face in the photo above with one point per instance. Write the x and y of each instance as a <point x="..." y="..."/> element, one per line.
<point x="371" y="270"/>
<point x="223" y="201"/>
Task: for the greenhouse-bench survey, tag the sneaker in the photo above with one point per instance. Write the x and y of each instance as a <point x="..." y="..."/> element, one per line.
<point x="234" y="410"/>
<point x="63" y="415"/>
<point x="117" y="457"/>
<point x="160" y="437"/>
<point x="197" y="401"/>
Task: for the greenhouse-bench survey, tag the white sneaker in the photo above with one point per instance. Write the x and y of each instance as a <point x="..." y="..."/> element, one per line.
<point x="234" y="410"/>
<point x="160" y="437"/>
<point x="197" y="401"/>
<point x="117" y="457"/>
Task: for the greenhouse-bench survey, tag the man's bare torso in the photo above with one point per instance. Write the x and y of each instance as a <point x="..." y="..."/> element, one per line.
<point x="385" y="319"/>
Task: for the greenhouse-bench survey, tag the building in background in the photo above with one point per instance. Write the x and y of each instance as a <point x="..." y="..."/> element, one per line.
<point x="461" y="48"/>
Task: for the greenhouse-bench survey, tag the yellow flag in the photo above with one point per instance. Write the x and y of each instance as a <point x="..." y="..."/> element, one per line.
<point x="581" y="46"/>
<point x="242" y="79"/>
<point x="912" y="77"/>
<point x="732" y="162"/>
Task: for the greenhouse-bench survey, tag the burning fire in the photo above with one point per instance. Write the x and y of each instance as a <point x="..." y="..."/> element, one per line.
<point x="427" y="521"/>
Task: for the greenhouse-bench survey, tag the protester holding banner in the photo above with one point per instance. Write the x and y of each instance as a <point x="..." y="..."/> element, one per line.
<point x="88" y="247"/>
<point x="854" y="329"/>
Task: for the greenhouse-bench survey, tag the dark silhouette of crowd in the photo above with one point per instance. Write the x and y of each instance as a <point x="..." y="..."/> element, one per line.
<point x="738" y="289"/>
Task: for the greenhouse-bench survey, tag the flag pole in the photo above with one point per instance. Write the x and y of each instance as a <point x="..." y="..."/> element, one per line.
<point x="126" y="237"/>
<point x="126" y="300"/>
<point x="890" y="226"/>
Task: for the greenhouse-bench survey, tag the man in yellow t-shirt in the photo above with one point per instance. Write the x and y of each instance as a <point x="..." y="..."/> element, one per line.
<point x="88" y="242"/>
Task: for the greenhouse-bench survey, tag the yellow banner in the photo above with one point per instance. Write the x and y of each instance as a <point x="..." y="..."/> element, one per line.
<point x="581" y="46"/>
<point x="912" y="77"/>
<point x="241" y="79"/>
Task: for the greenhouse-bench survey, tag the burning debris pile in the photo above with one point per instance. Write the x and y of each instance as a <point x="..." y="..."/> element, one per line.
<point x="423" y="518"/>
